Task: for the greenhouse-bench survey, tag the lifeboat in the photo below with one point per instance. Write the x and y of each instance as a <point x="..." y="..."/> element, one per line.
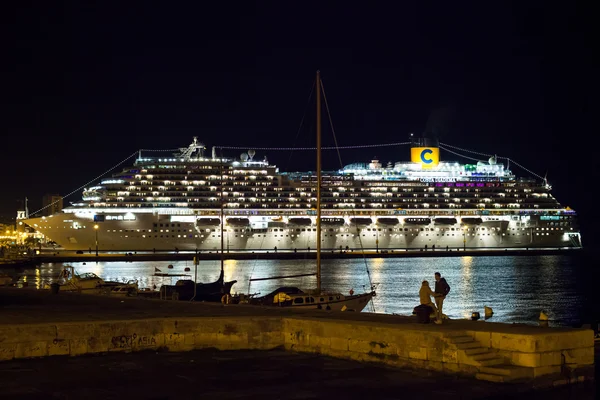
<point x="303" y="221"/>
<point x="445" y="220"/>
<point x="417" y="221"/>
<point x="238" y="221"/>
<point x="208" y="221"/>
<point x="471" y="220"/>
<point x="332" y="221"/>
<point x="361" y="221"/>
<point x="388" y="221"/>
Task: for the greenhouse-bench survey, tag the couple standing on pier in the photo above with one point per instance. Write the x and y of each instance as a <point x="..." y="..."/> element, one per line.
<point x="441" y="290"/>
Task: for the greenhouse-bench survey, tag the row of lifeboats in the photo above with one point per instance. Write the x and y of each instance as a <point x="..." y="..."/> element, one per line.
<point x="338" y="221"/>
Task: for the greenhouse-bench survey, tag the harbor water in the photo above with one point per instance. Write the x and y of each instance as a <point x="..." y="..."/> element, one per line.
<point x="517" y="288"/>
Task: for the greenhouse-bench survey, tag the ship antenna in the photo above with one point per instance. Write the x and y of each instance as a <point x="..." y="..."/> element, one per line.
<point x="318" y="87"/>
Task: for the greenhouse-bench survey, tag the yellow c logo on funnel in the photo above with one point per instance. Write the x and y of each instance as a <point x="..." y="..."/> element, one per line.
<point x="428" y="157"/>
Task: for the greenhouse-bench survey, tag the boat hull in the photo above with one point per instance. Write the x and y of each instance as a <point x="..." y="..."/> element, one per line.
<point x="148" y="232"/>
<point x="325" y="302"/>
<point x="355" y="303"/>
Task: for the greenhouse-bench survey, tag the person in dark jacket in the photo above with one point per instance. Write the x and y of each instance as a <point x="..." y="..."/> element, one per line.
<point x="441" y="291"/>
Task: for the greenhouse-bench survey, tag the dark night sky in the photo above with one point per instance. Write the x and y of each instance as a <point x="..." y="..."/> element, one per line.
<point x="84" y="86"/>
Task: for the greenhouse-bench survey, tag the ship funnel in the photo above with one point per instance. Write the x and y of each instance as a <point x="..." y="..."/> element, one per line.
<point x="425" y="151"/>
<point x="214" y="152"/>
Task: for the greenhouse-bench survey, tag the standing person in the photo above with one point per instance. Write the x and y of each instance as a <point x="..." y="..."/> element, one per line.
<point x="425" y="294"/>
<point x="441" y="290"/>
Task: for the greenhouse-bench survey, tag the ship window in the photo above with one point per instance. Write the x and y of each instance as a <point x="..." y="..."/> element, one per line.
<point x="298" y="300"/>
<point x="330" y="298"/>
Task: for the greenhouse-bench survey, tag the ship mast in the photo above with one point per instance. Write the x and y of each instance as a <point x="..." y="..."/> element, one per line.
<point x="318" y="85"/>
<point x="222" y="219"/>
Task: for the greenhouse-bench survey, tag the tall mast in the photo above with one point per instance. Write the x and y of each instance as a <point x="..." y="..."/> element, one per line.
<point x="318" y="85"/>
<point x="222" y="219"/>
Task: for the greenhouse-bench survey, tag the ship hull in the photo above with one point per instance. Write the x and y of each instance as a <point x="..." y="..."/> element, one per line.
<point x="151" y="231"/>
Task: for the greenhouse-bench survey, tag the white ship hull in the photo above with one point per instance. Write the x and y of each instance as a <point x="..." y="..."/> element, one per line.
<point x="160" y="232"/>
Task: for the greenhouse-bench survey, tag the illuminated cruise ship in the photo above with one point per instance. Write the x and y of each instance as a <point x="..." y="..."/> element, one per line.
<point x="178" y="202"/>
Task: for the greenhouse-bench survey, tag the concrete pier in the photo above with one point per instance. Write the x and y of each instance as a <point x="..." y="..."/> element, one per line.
<point x="39" y="324"/>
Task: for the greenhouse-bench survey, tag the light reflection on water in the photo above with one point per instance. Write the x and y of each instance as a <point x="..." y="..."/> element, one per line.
<point x="517" y="288"/>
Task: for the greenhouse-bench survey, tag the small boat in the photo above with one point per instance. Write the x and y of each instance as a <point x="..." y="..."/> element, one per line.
<point x="88" y="282"/>
<point x="298" y="299"/>
<point x="129" y="289"/>
<point x="184" y="290"/>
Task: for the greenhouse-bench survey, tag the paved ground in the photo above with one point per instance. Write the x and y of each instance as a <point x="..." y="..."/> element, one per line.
<point x="227" y="375"/>
<point x="224" y="375"/>
<point x="27" y="306"/>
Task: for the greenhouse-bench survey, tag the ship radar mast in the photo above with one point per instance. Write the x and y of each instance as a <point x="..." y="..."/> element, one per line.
<point x="187" y="152"/>
<point x="546" y="184"/>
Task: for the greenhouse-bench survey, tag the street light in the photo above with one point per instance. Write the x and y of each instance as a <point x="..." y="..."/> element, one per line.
<point x="96" y="229"/>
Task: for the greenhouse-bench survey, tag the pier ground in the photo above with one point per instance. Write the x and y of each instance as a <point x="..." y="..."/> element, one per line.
<point x="246" y="374"/>
<point x="36" y="324"/>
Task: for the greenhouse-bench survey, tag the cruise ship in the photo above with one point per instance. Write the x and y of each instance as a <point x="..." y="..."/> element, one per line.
<point x="179" y="202"/>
